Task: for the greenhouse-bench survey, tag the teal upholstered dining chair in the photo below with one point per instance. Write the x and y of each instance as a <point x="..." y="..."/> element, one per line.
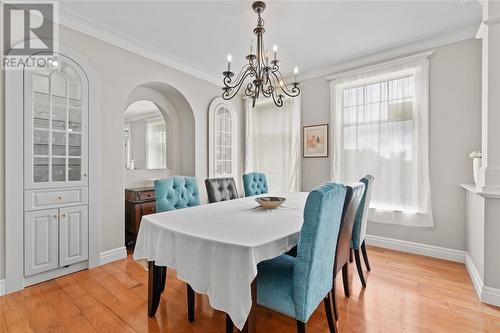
<point x="359" y="229"/>
<point x="255" y="183"/>
<point x="296" y="286"/>
<point x="176" y="193"/>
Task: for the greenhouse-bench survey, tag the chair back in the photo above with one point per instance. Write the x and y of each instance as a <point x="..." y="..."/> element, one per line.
<point x="176" y="192"/>
<point x="221" y="189"/>
<point x="359" y="229"/>
<point x="351" y="204"/>
<point x="255" y="183"/>
<point x="312" y="274"/>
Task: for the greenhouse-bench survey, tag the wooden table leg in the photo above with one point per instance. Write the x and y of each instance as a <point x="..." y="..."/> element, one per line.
<point x="250" y="324"/>
<point x="155" y="278"/>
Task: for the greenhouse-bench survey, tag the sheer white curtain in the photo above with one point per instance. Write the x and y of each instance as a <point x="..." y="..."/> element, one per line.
<point x="156" y="144"/>
<point x="381" y="127"/>
<point x="273" y="142"/>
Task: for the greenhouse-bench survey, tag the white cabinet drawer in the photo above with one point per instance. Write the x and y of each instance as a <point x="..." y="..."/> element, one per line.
<point x="41" y="199"/>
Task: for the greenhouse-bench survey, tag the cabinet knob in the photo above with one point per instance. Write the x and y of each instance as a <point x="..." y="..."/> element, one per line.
<point x="63" y="215"/>
<point x="85" y="175"/>
<point x="54" y="216"/>
<point x="59" y="198"/>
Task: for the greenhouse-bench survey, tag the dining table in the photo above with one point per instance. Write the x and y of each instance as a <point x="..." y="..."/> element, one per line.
<point x="216" y="248"/>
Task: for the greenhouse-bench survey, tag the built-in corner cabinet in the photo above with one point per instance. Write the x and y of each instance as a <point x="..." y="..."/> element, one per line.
<point x="55" y="170"/>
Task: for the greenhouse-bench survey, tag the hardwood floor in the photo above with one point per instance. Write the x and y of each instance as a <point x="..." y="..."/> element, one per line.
<point x="405" y="293"/>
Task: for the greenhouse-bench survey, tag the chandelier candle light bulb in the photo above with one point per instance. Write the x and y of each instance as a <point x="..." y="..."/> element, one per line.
<point x="229" y="59"/>
<point x="265" y="76"/>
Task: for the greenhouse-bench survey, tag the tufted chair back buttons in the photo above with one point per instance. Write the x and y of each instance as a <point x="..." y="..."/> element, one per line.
<point x="176" y="192"/>
<point x="255" y="183"/>
<point x="221" y="189"/>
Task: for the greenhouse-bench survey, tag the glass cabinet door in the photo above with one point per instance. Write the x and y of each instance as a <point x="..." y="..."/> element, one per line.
<point x="56" y="126"/>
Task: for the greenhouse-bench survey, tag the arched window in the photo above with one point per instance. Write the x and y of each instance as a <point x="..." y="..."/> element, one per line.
<point x="222" y="139"/>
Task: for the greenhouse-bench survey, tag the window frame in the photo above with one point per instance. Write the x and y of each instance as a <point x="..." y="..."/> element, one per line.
<point x="352" y="74"/>
<point x="216" y="104"/>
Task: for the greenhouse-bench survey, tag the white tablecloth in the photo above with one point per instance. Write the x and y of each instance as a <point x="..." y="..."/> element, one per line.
<point x="216" y="247"/>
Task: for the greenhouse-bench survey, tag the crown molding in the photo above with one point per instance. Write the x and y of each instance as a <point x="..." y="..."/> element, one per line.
<point x="397" y="51"/>
<point x="98" y="30"/>
<point x="482" y="28"/>
<point x="371" y="66"/>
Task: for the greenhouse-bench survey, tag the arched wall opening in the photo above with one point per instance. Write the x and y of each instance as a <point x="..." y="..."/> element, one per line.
<point x="179" y="116"/>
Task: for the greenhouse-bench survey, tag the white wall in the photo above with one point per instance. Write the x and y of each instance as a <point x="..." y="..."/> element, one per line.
<point x="120" y="72"/>
<point x="455" y="118"/>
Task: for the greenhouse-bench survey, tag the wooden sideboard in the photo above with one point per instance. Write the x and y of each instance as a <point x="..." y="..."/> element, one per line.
<point x="138" y="202"/>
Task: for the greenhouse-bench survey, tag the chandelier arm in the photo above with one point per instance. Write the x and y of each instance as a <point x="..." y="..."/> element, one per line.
<point x="278" y="101"/>
<point x="277" y="98"/>
<point x="267" y="92"/>
<point x="275" y="67"/>
<point x="294" y="92"/>
<point x="230" y="83"/>
<point x="249" y="91"/>
<point x="230" y="92"/>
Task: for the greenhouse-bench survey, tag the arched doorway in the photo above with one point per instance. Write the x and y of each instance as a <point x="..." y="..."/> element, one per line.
<point x="179" y="132"/>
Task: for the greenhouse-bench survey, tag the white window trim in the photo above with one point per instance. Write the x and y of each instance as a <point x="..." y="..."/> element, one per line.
<point x="216" y="104"/>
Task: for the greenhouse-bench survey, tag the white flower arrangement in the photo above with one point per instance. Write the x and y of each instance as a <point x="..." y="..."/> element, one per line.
<point x="476" y="154"/>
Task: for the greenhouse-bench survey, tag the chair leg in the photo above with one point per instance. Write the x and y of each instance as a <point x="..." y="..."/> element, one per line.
<point x="365" y="256"/>
<point x="345" y="279"/>
<point x="154" y="287"/>
<point x="190" y="302"/>
<point x="360" y="269"/>
<point x="332" y="324"/>
<point x="350" y="256"/>
<point x="301" y="327"/>
<point x="334" y="301"/>
<point x="229" y="324"/>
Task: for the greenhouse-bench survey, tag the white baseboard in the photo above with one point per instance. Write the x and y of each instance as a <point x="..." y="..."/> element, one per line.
<point x="490" y="296"/>
<point x="417" y="248"/>
<point x="106" y="257"/>
<point x="477" y="281"/>
<point x="486" y="294"/>
<point x="2" y="287"/>
<point x="113" y="255"/>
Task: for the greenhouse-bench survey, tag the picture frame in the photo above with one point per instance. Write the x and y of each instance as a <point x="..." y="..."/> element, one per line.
<point x="315" y="141"/>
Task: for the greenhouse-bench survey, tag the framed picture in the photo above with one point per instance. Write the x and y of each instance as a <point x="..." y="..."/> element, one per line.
<point x="315" y="141"/>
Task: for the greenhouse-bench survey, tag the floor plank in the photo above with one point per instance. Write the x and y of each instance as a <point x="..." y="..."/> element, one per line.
<point x="405" y="293"/>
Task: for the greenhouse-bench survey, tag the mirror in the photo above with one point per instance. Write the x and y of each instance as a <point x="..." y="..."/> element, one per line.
<point x="145" y="137"/>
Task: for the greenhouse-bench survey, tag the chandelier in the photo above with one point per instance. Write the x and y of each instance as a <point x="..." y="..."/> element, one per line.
<point x="267" y="79"/>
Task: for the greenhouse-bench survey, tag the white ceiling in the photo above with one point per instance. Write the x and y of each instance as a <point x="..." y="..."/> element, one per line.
<point x="309" y="34"/>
